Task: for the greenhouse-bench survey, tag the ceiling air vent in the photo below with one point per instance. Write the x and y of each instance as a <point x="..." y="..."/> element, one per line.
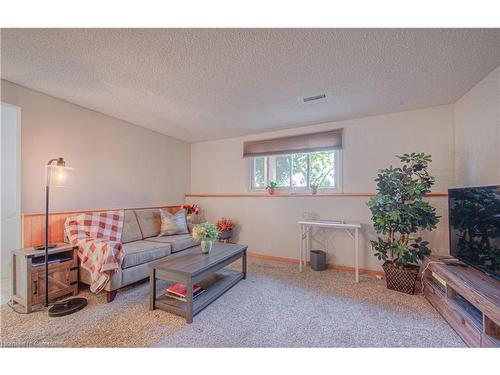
<point x="313" y="99"/>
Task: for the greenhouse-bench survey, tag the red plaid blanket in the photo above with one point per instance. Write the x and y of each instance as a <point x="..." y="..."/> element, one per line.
<point x="98" y="238"/>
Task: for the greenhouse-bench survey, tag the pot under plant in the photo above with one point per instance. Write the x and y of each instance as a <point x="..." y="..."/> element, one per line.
<point x="225" y="235"/>
<point x="271" y="187"/>
<point x="401" y="279"/>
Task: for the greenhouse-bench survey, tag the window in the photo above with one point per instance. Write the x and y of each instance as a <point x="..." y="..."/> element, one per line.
<point x="297" y="172"/>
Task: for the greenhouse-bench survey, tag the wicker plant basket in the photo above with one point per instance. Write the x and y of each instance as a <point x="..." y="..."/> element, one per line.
<point x="401" y="279"/>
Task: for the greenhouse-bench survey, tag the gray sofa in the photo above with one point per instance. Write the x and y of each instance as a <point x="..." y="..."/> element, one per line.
<point x="141" y="246"/>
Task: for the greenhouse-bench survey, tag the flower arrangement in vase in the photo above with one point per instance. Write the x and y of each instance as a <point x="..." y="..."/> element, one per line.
<point x="191" y="209"/>
<point x="225" y="228"/>
<point x="206" y="234"/>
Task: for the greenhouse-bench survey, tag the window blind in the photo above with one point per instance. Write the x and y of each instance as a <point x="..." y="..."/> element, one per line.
<point x="295" y="144"/>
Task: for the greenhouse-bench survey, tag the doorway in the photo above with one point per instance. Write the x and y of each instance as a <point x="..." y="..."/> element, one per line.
<point x="10" y="150"/>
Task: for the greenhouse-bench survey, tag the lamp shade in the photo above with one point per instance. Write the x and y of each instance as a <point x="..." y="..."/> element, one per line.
<point x="58" y="176"/>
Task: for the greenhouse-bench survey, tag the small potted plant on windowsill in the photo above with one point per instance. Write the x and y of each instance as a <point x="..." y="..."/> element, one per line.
<point x="319" y="181"/>
<point x="207" y="234"/>
<point x="225" y="228"/>
<point x="398" y="212"/>
<point x="271" y="187"/>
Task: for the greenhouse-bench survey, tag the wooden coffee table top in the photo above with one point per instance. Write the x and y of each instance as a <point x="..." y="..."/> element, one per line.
<point x="193" y="261"/>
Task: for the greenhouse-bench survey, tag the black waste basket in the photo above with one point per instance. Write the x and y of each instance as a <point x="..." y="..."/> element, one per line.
<point x="318" y="260"/>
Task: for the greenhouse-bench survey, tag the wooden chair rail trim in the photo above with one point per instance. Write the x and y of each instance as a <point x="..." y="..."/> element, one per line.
<point x="33" y="224"/>
<point x="330" y="266"/>
<point x="282" y="195"/>
<point x="91" y="210"/>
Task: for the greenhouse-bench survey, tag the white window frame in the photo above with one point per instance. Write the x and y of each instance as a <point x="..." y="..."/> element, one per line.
<point x="338" y="172"/>
<point x="251" y="176"/>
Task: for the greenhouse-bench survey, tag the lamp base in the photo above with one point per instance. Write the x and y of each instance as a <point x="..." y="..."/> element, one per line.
<point x="67" y="307"/>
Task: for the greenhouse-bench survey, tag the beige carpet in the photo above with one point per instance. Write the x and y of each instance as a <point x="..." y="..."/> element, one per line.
<point x="275" y="307"/>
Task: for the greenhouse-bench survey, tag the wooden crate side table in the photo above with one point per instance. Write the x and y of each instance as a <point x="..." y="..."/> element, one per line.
<point x="28" y="275"/>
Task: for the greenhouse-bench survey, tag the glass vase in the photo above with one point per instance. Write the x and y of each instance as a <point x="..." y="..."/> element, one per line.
<point x="206" y="246"/>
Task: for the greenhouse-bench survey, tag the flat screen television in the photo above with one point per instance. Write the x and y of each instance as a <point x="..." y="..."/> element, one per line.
<point x="474" y="219"/>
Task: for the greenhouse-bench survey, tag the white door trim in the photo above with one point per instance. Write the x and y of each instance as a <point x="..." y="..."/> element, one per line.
<point x="18" y="179"/>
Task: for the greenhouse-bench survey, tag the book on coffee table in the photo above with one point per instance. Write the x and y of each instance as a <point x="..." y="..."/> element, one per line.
<point x="184" y="299"/>
<point x="180" y="289"/>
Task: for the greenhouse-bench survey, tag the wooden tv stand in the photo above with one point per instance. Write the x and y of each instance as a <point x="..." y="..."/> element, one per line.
<point x="467" y="299"/>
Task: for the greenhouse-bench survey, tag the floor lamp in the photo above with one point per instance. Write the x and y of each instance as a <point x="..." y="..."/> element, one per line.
<point x="57" y="175"/>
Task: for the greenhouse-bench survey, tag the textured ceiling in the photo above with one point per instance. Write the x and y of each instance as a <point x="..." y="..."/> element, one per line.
<point x="200" y="84"/>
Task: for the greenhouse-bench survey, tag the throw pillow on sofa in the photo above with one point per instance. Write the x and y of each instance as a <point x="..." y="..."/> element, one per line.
<point x="173" y="223"/>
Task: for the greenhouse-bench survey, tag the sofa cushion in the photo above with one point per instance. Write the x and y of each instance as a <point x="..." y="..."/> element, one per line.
<point x="149" y="221"/>
<point x="131" y="231"/>
<point x="178" y="241"/>
<point x="173" y="223"/>
<point x="140" y="252"/>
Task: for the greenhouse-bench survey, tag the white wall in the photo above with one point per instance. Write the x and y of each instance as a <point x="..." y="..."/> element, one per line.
<point x="369" y="144"/>
<point x="122" y="165"/>
<point x="268" y="225"/>
<point x="117" y="164"/>
<point x="477" y="135"/>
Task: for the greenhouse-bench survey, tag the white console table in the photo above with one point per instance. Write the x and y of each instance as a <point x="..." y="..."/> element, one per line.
<point x="306" y="227"/>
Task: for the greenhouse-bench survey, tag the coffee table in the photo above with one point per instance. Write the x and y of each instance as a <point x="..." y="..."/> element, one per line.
<point x="190" y="267"/>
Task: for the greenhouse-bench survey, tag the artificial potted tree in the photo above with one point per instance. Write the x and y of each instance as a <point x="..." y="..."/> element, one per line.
<point x="399" y="212"/>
